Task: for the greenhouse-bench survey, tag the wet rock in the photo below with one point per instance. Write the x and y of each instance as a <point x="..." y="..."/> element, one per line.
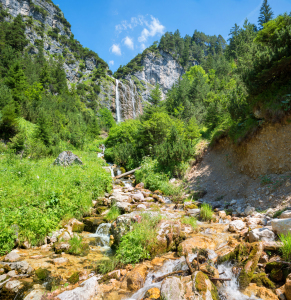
<point x="78" y="226"/>
<point x="236" y="226"/>
<point x="67" y="158"/>
<point x="199" y="242"/>
<point x="260" y="292"/>
<point x="12" y="257"/>
<point x="135" y="279"/>
<point x="153" y="294"/>
<point x="35" y="295"/>
<point x="285" y="214"/>
<point x="87" y="290"/>
<point x="281" y="226"/>
<point x="11" y="287"/>
<point x="140" y="185"/>
<point x="124" y="207"/>
<point x="261" y="234"/>
<point x="222" y="214"/>
<point x="92" y="223"/>
<point x="204" y="286"/>
<point x="172" y="288"/>
<point x="60" y="261"/>
<point x="138" y="197"/>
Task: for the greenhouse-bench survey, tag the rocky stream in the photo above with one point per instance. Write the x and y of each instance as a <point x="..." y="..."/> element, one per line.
<point x="229" y="257"/>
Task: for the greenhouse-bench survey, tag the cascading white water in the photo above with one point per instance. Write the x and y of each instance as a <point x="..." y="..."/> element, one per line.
<point x="118" y="115"/>
<point x="132" y="99"/>
<point x="230" y="290"/>
<point x="101" y="154"/>
<point x="102" y="235"/>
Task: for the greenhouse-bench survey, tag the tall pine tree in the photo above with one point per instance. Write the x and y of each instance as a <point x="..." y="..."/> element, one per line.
<point x="266" y="14"/>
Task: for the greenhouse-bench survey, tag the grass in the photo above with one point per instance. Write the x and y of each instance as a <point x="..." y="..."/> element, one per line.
<point x="286" y="249"/>
<point x="77" y="246"/>
<point x="206" y="212"/>
<point x="35" y="195"/>
<point x="113" y="213"/>
<point x="189" y="221"/>
<point x="278" y="213"/>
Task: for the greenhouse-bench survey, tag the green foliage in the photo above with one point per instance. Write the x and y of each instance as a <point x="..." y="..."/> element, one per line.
<point x="77" y="246"/>
<point x="155" y="95"/>
<point x="113" y="213"/>
<point x="36" y="195"/>
<point x="106" y="119"/>
<point x="138" y="243"/>
<point x="286" y="249"/>
<point x="189" y="221"/>
<point x="206" y="212"/>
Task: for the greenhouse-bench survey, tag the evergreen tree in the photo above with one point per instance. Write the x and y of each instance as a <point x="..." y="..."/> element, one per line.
<point x="15" y="36"/>
<point x="266" y="14"/>
<point x="156" y="95"/>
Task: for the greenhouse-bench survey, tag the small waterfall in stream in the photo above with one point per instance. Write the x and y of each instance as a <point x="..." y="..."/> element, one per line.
<point x="102" y="235"/>
<point x="118" y="115"/>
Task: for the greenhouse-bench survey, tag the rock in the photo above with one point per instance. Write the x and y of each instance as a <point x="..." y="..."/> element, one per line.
<point x="64" y="236"/>
<point x="281" y="226"/>
<point x="22" y="267"/>
<point x="12" y="273"/>
<point x="12" y="286"/>
<point x="77" y="226"/>
<point x="3" y="277"/>
<point x="236" y="225"/>
<point x="35" y="295"/>
<point x="260" y="292"/>
<point x="141" y="207"/>
<point x="153" y="294"/>
<point x="193" y="212"/>
<point x="287" y="287"/>
<point x="86" y="291"/>
<point x="140" y="185"/>
<point x="253" y="222"/>
<point x="124" y="207"/>
<point x="233" y="202"/>
<point x="249" y="210"/>
<point x="280" y="292"/>
<point x="172" y="288"/>
<point x="12" y="257"/>
<point x="60" y="261"/>
<point x="222" y="214"/>
<point x="60" y="247"/>
<point x="261" y="234"/>
<point x="67" y="158"/>
<point x="92" y="223"/>
<point x="135" y="279"/>
<point x="286" y="214"/>
<point x="199" y="242"/>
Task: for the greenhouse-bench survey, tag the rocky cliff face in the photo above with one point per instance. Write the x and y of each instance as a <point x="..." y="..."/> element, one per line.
<point x="45" y="17"/>
<point x="159" y="68"/>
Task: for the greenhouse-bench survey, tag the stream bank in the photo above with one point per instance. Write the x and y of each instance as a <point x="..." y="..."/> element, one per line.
<point x="51" y="271"/>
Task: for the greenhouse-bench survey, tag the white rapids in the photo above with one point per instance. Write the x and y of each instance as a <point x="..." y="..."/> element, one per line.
<point x="118" y="115"/>
<point x="102" y="235"/>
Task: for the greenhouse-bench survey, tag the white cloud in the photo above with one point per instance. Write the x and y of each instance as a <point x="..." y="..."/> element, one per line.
<point x="153" y="28"/>
<point x="142" y="47"/>
<point x="111" y="63"/>
<point x="115" y="49"/>
<point x="129" y="42"/>
<point x="125" y="25"/>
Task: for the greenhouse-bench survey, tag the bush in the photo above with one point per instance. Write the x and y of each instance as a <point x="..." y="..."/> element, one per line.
<point x="286" y="249"/>
<point x="78" y="247"/>
<point x="206" y="212"/>
<point x="139" y="243"/>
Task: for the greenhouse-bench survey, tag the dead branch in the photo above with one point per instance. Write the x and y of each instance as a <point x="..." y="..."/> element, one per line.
<point x="158" y="279"/>
<point x="127" y="173"/>
<point x="188" y="263"/>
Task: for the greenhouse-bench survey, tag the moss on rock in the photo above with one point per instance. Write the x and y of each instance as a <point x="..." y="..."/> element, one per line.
<point x="74" y="278"/>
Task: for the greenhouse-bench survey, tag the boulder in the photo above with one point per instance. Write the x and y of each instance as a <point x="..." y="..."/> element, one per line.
<point x="261" y="234"/>
<point x="12" y="257"/>
<point x="222" y="214"/>
<point x="135" y="279"/>
<point x="138" y="197"/>
<point x="153" y="294"/>
<point x="86" y="291"/>
<point x="35" y="295"/>
<point x="67" y="158"/>
<point x="288" y="287"/>
<point x="285" y="214"/>
<point x="11" y="287"/>
<point x="92" y="223"/>
<point x="124" y="207"/>
<point x="60" y="261"/>
<point x="249" y="210"/>
<point x="22" y="267"/>
<point x="260" y="292"/>
<point x="254" y="222"/>
<point x="141" y="207"/>
<point x="281" y="226"/>
<point x="193" y="212"/>
<point x="236" y="225"/>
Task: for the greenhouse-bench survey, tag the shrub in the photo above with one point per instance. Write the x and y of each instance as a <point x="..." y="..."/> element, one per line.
<point x="286" y="249"/>
<point x="113" y="213"/>
<point x="77" y="246"/>
<point x="139" y="243"/>
<point x="206" y="212"/>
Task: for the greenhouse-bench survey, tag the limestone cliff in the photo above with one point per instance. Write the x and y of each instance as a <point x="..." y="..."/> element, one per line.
<point x="159" y="68"/>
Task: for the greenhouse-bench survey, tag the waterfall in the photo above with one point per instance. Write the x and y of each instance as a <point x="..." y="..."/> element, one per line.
<point x="132" y="98"/>
<point x="118" y="117"/>
<point x="102" y="235"/>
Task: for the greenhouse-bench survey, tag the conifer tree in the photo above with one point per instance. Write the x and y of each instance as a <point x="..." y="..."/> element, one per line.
<point x="156" y="95"/>
<point x="266" y="14"/>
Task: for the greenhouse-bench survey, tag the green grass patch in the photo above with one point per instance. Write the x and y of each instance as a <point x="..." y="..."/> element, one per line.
<point x="286" y="249"/>
<point x="189" y="221"/>
<point x="35" y="195"/>
<point x="206" y="212"/>
<point x="78" y="247"/>
<point x="113" y="213"/>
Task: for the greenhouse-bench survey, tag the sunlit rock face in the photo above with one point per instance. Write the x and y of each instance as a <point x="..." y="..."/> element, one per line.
<point x="159" y="68"/>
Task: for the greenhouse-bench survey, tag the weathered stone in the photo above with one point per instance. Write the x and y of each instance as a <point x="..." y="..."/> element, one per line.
<point x="135" y="279"/>
<point x="22" y="267"/>
<point x="249" y="210"/>
<point x="124" y="207"/>
<point x="287" y="287"/>
<point x="236" y="225"/>
<point x="222" y="214"/>
<point x="12" y="257"/>
<point x="141" y="207"/>
<point x="138" y="197"/>
<point x="285" y="214"/>
<point x="260" y="292"/>
<point x="92" y="223"/>
<point x="281" y="226"/>
<point x="261" y="234"/>
<point x="86" y="291"/>
<point x="153" y="294"/>
<point x="35" y="295"/>
<point x="60" y="261"/>
<point x="67" y="158"/>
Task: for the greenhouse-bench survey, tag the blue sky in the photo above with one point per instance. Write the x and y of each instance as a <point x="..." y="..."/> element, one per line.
<point x="119" y="29"/>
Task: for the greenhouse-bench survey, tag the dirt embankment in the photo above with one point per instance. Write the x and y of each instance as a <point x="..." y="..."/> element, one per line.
<point x="256" y="172"/>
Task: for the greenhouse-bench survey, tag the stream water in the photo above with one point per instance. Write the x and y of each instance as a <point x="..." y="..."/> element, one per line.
<point x="102" y="235"/>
